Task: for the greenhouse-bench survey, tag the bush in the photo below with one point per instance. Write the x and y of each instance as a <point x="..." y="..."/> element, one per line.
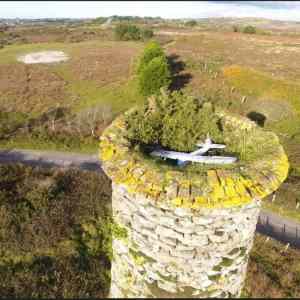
<point x="191" y="23"/>
<point x="147" y="33"/>
<point x="154" y="75"/>
<point x="10" y="122"/>
<point x="235" y="28"/>
<point x="152" y="50"/>
<point x="175" y="121"/>
<point x="55" y="237"/>
<point x="249" y="29"/>
<point x="126" y="32"/>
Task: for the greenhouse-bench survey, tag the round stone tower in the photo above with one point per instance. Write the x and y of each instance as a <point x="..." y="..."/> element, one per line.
<point x="185" y="235"/>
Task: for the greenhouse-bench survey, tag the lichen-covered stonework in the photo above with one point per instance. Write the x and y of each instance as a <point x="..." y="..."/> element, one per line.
<point x="177" y="252"/>
<point x="217" y="188"/>
<point x="187" y="235"/>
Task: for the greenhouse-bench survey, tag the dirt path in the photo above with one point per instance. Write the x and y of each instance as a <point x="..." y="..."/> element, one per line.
<point x="269" y="224"/>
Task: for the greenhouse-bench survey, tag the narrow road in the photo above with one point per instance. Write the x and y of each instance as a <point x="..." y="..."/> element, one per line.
<point x="280" y="228"/>
<point x="51" y="159"/>
<point x="270" y="224"/>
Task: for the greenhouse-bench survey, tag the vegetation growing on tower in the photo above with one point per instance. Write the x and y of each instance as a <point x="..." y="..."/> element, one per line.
<point x="174" y="120"/>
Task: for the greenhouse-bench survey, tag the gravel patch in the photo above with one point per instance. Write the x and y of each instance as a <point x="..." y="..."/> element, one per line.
<point x="45" y="57"/>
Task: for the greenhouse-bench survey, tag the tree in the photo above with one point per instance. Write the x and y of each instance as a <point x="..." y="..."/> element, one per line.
<point x="154" y="75"/>
<point x="152" y="50"/>
<point x="249" y="29"/>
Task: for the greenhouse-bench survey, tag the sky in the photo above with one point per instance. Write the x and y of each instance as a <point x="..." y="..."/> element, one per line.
<point x="277" y="10"/>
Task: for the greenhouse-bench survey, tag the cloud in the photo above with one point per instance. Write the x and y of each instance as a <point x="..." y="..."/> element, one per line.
<point x="278" y="10"/>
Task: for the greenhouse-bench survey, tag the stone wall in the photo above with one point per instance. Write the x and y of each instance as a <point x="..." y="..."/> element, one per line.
<point x="188" y="234"/>
<point x="177" y="252"/>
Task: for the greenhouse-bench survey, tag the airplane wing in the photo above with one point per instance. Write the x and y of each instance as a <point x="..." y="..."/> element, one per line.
<point x="211" y="146"/>
<point x="194" y="158"/>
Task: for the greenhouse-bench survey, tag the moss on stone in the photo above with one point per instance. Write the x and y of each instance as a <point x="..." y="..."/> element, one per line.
<point x="118" y="231"/>
<point x="220" y="187"/>
<point x="226" y="262"/>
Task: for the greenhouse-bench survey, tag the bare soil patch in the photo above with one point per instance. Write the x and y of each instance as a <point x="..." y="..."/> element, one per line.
<point x="43" y="57"/>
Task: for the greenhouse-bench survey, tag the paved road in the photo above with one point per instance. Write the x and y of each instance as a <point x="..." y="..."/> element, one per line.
<point x="282" y="229"/>
<point x="269" y="224"/>
<point x="51" y="159"/>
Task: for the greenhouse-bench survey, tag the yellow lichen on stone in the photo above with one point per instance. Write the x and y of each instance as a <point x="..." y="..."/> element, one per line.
<point x="199" y="202"/>
<point x="177" y="201"/>
<point x="219" y="188"/>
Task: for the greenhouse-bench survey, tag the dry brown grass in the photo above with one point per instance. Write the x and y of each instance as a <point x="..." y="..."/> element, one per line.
<point x="28" y="88"/>
<point x="272" y="273"/>
<point x="110" y="63"/>
<point x="274" y="54"/>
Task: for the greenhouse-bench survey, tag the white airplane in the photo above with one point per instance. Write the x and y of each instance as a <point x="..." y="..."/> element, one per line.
<point x="196" y="156"/>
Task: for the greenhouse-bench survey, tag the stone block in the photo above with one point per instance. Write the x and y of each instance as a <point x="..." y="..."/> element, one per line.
<point x="167" y="286"/>
<point x="186" y="254"/>
<point x="168" y="232"/>
<point x="167" y="221"/>
<point x="140" y="221"/>
<point x="195" y="240"/>
<point x="119" y="247"/>
<point x="183" y="212"/>
<point x="145" y="232"/>
<point x="202" y="220"/>
<point x="169" y="241"/>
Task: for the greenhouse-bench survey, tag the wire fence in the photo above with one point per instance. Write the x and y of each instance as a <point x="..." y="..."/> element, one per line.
<point x="279" y="231"/>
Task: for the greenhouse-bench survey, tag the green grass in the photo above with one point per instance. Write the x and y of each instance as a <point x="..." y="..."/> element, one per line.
<point x="10" y="53"/>
<point x="282" y="209"/>
<point x="88" y="146"/>
<point x="259" y="85"/>
<point x="120" y="96"/>
<point x="254" y="83"/>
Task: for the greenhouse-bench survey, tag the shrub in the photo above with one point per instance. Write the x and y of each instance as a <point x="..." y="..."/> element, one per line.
<point x="154" y="75"/>
<point x="235" y="28"/>
<point x="174" y="120"/>
<point x="126" y="32"/>
<point x="152" y="50"/>
<point x="10" y="122"/>
<point x="147" y="33"/>
<point x="249" y="29"/>
<point x="191" y="23"/>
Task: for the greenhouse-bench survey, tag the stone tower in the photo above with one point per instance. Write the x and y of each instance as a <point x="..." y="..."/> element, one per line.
<point x="184" y="235"/>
